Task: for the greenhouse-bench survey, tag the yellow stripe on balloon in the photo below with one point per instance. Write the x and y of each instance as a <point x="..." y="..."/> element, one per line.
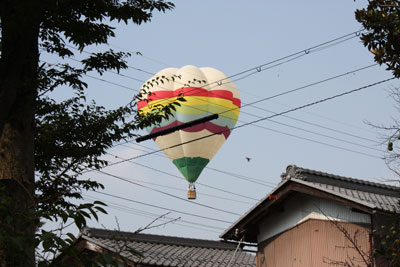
<point x="214" y="105"/>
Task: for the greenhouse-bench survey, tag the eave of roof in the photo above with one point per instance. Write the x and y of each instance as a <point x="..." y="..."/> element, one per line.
<point x="292" y="184"/>
<point x="160" y="239"/>
<point x="253" y="210"/>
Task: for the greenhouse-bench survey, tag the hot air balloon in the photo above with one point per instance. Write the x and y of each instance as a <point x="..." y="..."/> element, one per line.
<point x="206" y="91"/>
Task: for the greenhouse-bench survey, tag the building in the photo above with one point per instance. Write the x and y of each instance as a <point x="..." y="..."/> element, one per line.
<point x="158" y="250"/>
<point x="316" y="219"/>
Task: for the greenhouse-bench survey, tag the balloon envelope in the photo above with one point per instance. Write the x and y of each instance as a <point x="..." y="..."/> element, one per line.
<point x="206" y="91"/>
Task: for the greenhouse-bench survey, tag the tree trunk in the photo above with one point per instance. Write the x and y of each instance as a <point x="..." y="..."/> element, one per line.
<point x="18" y="89"/>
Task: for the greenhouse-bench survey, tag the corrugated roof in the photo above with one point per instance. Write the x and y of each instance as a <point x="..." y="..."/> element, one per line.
<point x="158" y="250"/>
<point x="375" y="196"/>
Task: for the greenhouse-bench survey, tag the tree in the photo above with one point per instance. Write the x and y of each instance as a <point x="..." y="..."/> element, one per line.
<point x="381" y="20"/>
<point x="56" y="142"/>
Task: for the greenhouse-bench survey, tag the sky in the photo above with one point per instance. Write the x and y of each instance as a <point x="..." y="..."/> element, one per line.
<point x="235" y="36"/>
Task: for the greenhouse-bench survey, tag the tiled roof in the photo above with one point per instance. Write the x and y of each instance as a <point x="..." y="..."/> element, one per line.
<point x="170" y="251"/>
<point x="374" y="196"/>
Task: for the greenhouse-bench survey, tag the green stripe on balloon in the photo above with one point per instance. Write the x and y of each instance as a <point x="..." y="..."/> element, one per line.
<point x="191" y="167"/>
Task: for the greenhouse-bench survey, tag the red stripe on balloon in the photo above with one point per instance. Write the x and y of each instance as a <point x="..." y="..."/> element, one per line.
<point x="211" y="127"/>
<point x="189" y="91"/>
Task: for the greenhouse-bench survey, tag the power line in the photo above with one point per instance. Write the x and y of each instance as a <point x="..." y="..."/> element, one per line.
<point x="261" y="119"/>
<point x="178" y="177"/>
<point x="101" y="79"/>
<point x="167" y="194"/>
<point x="277" y="95"/>
<point x="163" y="208"/>
<point x="336" y="121"/>
<point x="314" y="124"/>
<point x="306" y="86"/>
<point x="317" y="142"/>
<point x="303" y="121"/>
<point x="113" y="83"/>
<point x="268" y="98"/>
<point x="180" y="189"/>
<point x="307" y="51"/>
<point x="319" y="125"/>
<point x="290" y="91"/>
<point x="316" y="102"/>
<point x="146" y="57"/>
<point x="324" y="135"/>
<point x="308" y="131"/>
<point x="175" y="176"/>
<point x="259" y="68"/>
<point x="243" y="177"/>
<point x="147" y="214"/>
<point x="303" y="138"/>
<point x="175" y="188"/>
<point x="318" y="47"/>
<point x="297" y="55"/>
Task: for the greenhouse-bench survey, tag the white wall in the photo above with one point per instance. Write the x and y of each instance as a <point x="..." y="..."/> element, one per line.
<point x="296" y="210"/>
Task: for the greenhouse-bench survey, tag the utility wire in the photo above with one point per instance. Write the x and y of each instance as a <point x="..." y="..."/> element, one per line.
<point x="318" y="47"/>
<point x="113" y="83"/>
<point x="316" y="102"/>
<point x="317" y="142"/>
<point x="298" y="54"/>
<point x="149" y="214"/>
<point x="167" y="194"/>
<point x="320" y="126"/>
<point x="323" y="135"/>
<point x="183" y="190"/>
<point x="243" y="177"/>
<point x="272" y="185"/>
<point x="268" y="98"/>
<point x="314" y="124"/>
<point x="307" y="51"/>
<point x="298" y="128"/>
<point x="175" y="188"/>
<point x="306" y="86"/>
<point x="333" y="120"/>
<point x="164" y="208"/>
<point x="259" y="68"/>
<point x="308" y="131"/>
<point x="175" y="176"/>
<point x="139" y="53"/>
<point x="283" y="93"/>
<point x="261" y="119"/>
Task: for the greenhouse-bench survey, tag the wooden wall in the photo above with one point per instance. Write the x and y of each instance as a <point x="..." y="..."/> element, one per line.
<point x="314" y="243"/>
